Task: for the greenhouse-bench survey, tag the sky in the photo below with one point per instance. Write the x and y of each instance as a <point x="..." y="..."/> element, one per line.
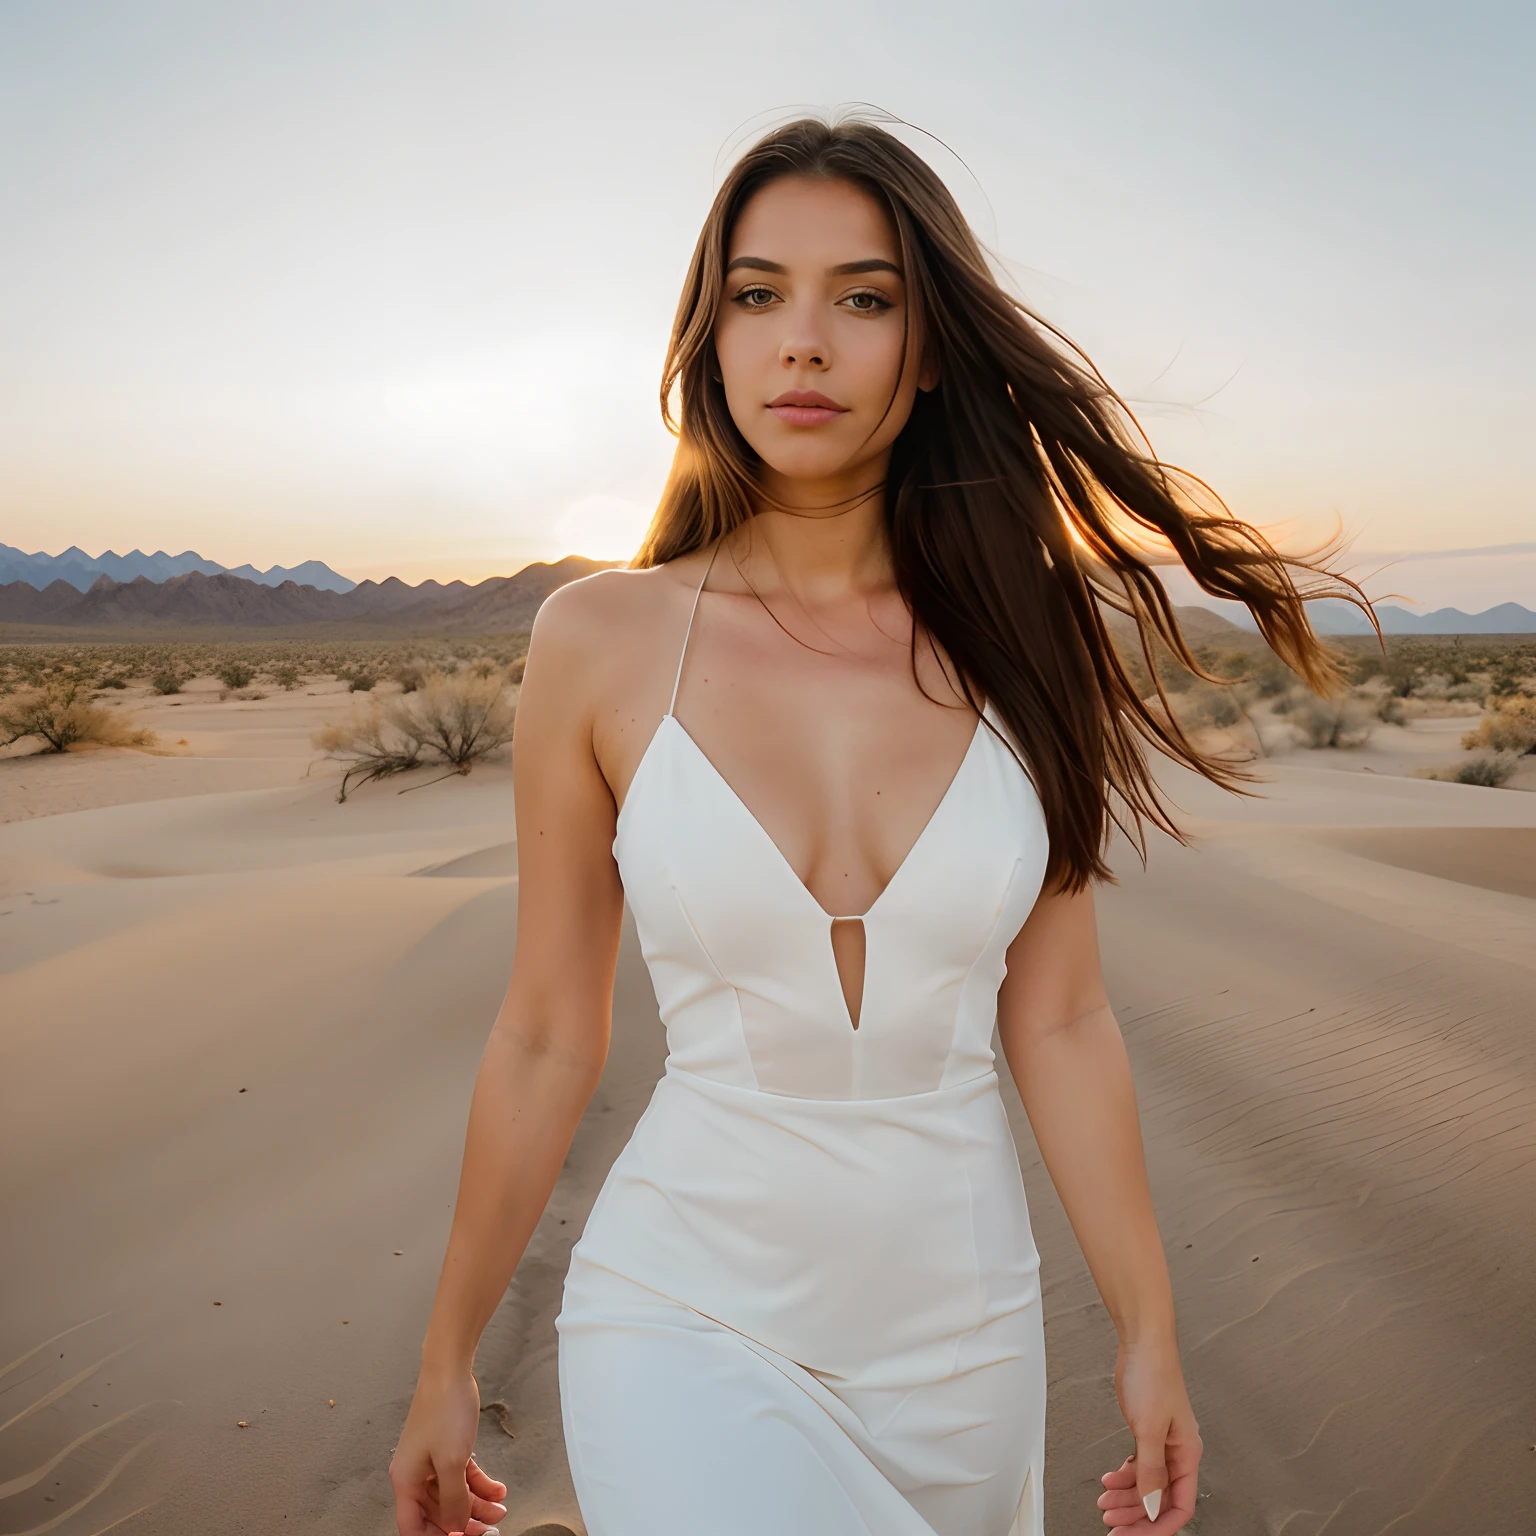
<point x="388" y="284"/>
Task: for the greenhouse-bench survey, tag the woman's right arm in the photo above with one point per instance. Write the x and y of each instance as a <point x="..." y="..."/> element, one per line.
<point x="541" y="1064"/>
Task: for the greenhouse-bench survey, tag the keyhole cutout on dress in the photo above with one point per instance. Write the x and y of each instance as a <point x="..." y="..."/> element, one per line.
<point x="848" y="956"/>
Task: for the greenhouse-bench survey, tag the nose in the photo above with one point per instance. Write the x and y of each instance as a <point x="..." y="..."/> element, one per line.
<point x="803" y="349"/>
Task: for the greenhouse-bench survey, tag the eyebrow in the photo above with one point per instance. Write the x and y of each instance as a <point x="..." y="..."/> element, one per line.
<point x="846" y="269"/>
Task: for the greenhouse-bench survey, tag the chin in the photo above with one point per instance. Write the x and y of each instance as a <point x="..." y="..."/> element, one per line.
<point x="810" y="461"/>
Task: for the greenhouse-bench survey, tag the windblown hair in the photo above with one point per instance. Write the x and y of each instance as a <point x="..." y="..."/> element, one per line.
<point x="1022" y="501"/>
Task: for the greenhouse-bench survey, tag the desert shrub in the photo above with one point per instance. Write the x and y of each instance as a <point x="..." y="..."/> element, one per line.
<point x="372" y="743"/>
<point x="515" y="670"/>
<point x="1509" y="727"/>
<point x="1175" y="677"/>
<point x="452" y="722"/>
<point x="1342" y="721"/>
<point x="484" y="666"/>
<point x="1399" y="673"/>
<point x="288" y="663"/>
<point x="1462" y="689"/>
<point x="411" y="674"/>
<point x="1269" y="677"/>
<point x="462" y="720"/>
<point x="235" y="674"/>
<point x="112" y="682"/>
<point x="61" y="716"/>
<point x="167" y="680"/>
<point x="1489" y="770"/>
<point x="1206" y="705"/>
<point x="1506" y="679"/>
<point x="357" y="679"/>
<point x="1389" y="708"/>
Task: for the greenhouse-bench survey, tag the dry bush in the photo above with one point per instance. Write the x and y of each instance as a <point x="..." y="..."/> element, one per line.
<point x="372" y="744"/>
<point x="166" y="680"/>
<point x="1342" y="721"/>
<point x="235" y="674"/>
<point x="411" y="674"/>
<point x="62" y="716"/>
<point x="1509" y="727"/>
<point x="286" y="675"/>
<point x="1204" y="705"/>
<point x="452" y="722"/>
<point x="1490" y="770"/>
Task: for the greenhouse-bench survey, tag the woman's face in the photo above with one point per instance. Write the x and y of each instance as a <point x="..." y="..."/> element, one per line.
<point x="818" y="350"/>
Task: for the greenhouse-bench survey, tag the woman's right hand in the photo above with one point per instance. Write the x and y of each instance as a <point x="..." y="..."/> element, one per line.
<point x="439" y="1491"/>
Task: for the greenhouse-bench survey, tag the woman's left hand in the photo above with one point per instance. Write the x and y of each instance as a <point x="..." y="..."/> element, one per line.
<point x="1149" y="1382"/>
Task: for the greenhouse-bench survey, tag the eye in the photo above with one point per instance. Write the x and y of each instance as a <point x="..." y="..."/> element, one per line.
<point x="755" y="298"/>
<point x="867" y="303"/>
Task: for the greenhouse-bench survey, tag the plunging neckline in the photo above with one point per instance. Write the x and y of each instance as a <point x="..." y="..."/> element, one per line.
<point x="767" y="837"/>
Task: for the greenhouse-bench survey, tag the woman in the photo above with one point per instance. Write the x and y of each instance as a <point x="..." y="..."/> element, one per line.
<point x="849" y="737"/>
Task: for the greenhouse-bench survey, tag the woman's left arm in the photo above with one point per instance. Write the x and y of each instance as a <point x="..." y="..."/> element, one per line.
<point x="1066" y="1054"/>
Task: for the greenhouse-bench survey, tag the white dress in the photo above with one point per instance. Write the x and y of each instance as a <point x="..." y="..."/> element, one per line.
<point x="807" y="1300"/>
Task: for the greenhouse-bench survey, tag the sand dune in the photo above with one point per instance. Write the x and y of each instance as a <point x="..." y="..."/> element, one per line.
<point x="1328" y="1006"/>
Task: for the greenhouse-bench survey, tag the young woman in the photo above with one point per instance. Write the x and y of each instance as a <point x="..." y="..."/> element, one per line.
<point x="849" y="738"/>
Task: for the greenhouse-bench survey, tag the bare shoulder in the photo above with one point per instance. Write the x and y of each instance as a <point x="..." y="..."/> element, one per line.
<point x="601" y="634"/>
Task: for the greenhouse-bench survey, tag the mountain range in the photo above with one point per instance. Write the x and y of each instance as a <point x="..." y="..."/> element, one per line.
<point x="1331" y="616"/>
<point x="168" y="592"/>
<point x="224" y="600"/>
<point x="81" y="570"/>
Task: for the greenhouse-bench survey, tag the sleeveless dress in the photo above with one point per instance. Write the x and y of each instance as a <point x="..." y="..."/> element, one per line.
<point x="807" y="1300"/>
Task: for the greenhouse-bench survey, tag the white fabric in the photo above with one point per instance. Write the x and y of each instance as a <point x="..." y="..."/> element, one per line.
<point x="807" y="1301"/>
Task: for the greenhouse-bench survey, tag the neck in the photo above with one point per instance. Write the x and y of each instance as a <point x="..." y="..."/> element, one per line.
<point x="819" y="539"/>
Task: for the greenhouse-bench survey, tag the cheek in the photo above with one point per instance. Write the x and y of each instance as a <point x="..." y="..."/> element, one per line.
<point x="742" y="349"/>
<point x="871" y="356"/>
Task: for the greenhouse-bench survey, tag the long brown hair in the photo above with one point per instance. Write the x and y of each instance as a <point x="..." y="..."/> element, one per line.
<point x="1021" y="501"/>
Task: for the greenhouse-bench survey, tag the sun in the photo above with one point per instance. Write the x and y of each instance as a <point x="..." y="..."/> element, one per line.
<point x="602" y="527"/>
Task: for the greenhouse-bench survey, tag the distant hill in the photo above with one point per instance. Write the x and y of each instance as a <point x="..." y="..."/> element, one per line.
<point x="1198" y="625"/>
<point x="199" y="601"/>
<point x="82" y="571"/>
<point x="1330" y="616"/>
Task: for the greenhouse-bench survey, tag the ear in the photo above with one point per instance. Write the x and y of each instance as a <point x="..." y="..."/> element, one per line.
<point x="928" y="374"/>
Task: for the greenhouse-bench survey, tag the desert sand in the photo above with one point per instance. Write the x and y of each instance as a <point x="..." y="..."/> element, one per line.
<point x="239" y="1024"/>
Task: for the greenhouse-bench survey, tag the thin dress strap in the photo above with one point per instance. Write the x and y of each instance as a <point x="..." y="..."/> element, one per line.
<point x="687" y="633"/>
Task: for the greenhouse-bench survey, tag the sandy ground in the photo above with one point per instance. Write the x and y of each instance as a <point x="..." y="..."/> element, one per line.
<point x="239" y="1022"/>
<point x="206" y="744"/>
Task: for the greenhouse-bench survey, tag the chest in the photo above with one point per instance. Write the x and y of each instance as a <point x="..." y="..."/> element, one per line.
<point x="840" y="755"/>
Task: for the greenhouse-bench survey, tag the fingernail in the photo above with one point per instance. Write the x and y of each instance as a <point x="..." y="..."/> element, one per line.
<point x="1152" y="1502"/>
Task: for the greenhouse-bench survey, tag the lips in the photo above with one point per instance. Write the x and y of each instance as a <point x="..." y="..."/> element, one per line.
<point x="805" y="408"/>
